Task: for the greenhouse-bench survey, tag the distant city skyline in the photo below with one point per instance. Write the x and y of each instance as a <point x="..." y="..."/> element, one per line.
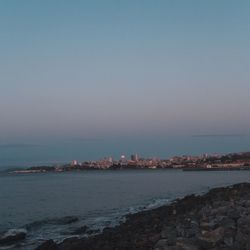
<point x="123" y="69"/>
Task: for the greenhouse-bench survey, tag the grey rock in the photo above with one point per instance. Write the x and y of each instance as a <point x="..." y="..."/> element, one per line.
<point x="245" y="203"/>
<point x="242" y="237"/>
<point x="244" y="220"/>
<point x="162" y="245"/>
<point x="13" y="236"/>
<point x="233" y="214"/>
<point x="219" y="211"/>
<point x="228" y="223"/>
<point x="209" y="225"/>
<point x="48" y="245"/>
<point x="170" y="234"/>
<point x="187" y="244"/>
<point x="210" y="239"/>
<point x="229" y="241"/>
<point x="221" y="203"/>
<point x="168" y="230"/>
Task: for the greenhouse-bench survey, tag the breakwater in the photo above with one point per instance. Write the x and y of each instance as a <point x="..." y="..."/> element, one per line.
<point x="219" y="219"/>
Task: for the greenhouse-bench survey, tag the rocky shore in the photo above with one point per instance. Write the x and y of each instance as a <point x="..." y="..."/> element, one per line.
<point x="219" y="219"/>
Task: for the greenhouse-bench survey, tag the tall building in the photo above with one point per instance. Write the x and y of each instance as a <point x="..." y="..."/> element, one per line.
<point x="110" y="159"/>
<point x="74" y="163"/>
<point x="123" y="160"/>
<point x="134" y="157"/>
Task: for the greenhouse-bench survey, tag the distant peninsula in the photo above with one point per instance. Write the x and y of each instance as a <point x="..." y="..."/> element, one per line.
<point x="205" y="162"/>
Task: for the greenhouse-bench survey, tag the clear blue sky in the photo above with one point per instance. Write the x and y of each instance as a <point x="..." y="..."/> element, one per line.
<point x="92" y="69"/>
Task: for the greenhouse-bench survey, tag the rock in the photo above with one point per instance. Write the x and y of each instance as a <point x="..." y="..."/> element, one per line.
<point x="208" y="225"/>
<point x="162" y="245"/>
<point x="219" y="211"/>
<point x="154" y="237"/>
<point x="81" y="230"/>
<point x="245" y="203"/>
<point x="187" y="228"/>
<point x="70" y="244"/>
<point x="181" y="231"/>
<point x="227" y="222"/>
<point x="243" y="221"/>
<point x="187" y="244"/>
<point x="187" y="231"/>
<point x="229" y="241"/>
<point x="241" y="210"/>
<point x="242" y="236"/>
<point x="218" y="220"/>
<point x="13" y="236"/>
<point x="234" y="214"/>
<point x="211" y="239"/>
<point x="168" y="230"/>
<point x="221" y="203"/>
<point x="170" y="234"/>
<point x="48" y="245"/>
<point x="203" y="213"/>
<point x="229" y="235"/>
<point x="108" y="230"/>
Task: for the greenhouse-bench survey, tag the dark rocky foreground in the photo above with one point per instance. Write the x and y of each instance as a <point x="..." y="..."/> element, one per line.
<point x="219" y="219"/>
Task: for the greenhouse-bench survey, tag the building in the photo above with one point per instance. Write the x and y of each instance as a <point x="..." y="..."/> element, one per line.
<point x="123" y="160"/>
<point x="74" y="163"/>
<point x="134" y="157"/>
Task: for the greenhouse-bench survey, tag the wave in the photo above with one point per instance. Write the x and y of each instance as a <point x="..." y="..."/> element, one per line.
<point x="93" y="223"/>
<point x="157" y="203"/>
<point x="55" y="221"/>
<point x="10" y="238"/>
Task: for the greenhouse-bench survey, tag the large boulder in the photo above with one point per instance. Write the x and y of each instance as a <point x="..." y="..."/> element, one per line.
<point x="211" y="239"/>
<point x="12" y="236"/>
<point x="187" y="244"/>
<point x="48" y="245"/>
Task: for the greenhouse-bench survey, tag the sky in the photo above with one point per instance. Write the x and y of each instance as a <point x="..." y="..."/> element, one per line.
<point x="135" y="68"/>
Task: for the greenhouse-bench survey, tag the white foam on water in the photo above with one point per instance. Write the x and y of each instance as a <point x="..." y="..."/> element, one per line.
<point x="13" y="232"/>
<point x="7" y="247"/>
<point x="157" y="203"/>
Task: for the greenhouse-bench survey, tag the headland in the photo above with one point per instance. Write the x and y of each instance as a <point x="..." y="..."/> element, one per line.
<point x="205" y="162"/>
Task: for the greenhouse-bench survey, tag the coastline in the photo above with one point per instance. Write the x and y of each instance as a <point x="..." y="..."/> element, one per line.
<point x="219" y="219"/>
<point x="205" y="162"/>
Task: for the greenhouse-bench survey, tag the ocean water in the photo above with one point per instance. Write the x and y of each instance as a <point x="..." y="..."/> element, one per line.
<point x="44" y="204"/>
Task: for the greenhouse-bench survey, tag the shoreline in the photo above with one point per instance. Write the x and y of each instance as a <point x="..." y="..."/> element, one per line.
<point x="205" y="162"/>
<point x="185" y="169"/>
<point x="219" y="219"/>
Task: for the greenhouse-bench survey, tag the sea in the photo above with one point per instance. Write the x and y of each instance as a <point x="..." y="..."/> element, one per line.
<point x="55" y="205"/>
